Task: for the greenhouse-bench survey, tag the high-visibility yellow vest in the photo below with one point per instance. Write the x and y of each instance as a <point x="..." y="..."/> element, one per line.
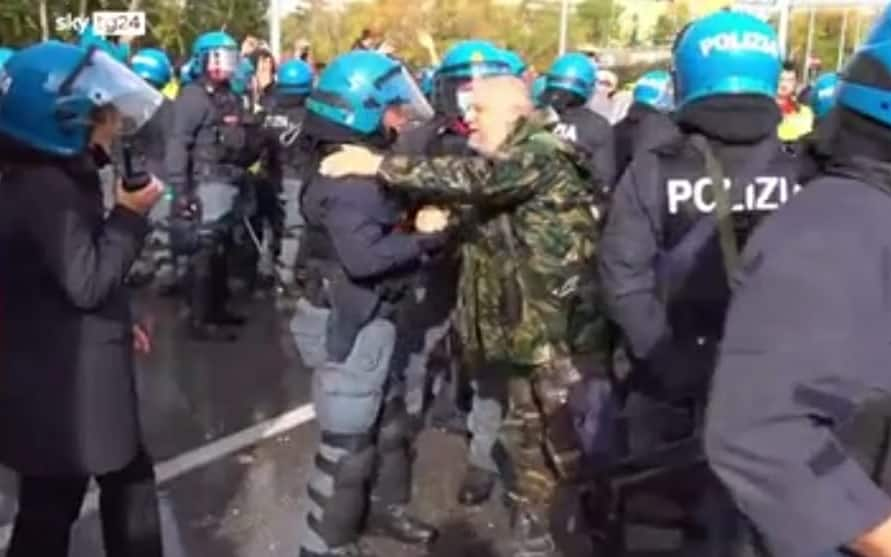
<point x="171" y="90"/>
<point x="796" y="124"/>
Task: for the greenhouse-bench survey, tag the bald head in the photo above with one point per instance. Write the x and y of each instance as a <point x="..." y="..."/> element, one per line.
<point x="497" y="103"/>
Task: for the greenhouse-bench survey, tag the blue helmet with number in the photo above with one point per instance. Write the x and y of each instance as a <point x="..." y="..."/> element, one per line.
<point x="573" y="72"/>
<point x="49" y="94"/>
<point x="865" y="84"/>
<point x="216" y="55"/>
<point x="475" y="58"/>
<point x="357" y="88"/>
<point x="241" y="79"/>
<point x="5" y="54"/>
<point x="655" y="89"/>
<point x="538" y="88"/>
<point x="89" y="37"/>
<point x="726" y="53"/>
<point x="295" y="77"/>
<point x="822" y="95"/>
<point x="152" y="65"/>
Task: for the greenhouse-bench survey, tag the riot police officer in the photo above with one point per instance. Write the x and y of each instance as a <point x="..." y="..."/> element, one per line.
<point x="568" y="88"/>
<point x="361" y="263"/>
<point x="284" y="111"/>
<point x="648" y="121"/>
<point x="149" y="146"/>
<point x="672" y="237"/>
<point x="797" y="425"/>
<point x="205" y="166"/>
<point x="69" y="406"/>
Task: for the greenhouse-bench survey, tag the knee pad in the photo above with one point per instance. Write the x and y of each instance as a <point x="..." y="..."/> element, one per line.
<point x="348" y="395"/>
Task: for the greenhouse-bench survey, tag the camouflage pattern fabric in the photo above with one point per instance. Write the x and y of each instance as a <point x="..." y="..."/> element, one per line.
<point x="527" y="294"/>
<point x="527" y="301"/>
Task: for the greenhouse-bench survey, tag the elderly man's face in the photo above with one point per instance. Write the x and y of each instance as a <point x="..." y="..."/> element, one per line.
<point x="495" y="107"/>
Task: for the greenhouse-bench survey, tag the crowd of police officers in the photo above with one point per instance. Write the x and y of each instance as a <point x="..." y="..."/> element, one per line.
<point x="767" y="344"/>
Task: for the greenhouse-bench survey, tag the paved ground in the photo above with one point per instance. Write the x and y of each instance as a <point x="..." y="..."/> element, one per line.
<point x="243" y="503"/>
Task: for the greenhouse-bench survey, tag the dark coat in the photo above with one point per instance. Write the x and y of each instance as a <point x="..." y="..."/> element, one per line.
<point x="68" y="401"/>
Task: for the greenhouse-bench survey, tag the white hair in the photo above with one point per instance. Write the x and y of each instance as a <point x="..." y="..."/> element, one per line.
<point x="509" y="92"/>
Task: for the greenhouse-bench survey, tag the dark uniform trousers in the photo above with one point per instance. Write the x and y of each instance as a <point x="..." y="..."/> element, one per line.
<point x="128" y="507"/>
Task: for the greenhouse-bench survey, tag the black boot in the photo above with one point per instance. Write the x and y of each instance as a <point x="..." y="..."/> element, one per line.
<point x="394" y="522"/>
<point x="476" y="487"/>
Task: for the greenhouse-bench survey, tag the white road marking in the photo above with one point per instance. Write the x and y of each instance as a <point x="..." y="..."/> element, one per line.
<point x="205" y="454"/>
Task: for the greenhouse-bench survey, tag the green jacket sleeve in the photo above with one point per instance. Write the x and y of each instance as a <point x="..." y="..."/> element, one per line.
<point x="511" y="178"/>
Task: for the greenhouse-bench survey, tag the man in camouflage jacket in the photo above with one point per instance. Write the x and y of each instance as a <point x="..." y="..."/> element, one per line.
<point x="527" y="310"/>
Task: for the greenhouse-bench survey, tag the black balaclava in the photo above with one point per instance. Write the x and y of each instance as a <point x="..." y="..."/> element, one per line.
<point x="731" y="119"/>
<point x="561" y="99"/>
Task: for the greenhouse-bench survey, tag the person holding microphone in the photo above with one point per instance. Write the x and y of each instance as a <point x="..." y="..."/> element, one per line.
<point x="68" y="402"/>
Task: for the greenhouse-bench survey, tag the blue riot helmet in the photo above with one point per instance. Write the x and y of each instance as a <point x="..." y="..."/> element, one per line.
<point x="655" y="89"/>
<point x="515" y="62"/>
<point x="5" y="54"/>
<point x="187" y="72"/>
<point x="573" y="73"/>
<point x="538" y="87"/>
<point x="216" y="56"/>
<point x="822" y="95"/>
<point x="89" y="37"/>
<point x="726" y="53"/>
<point x="461" y="63"/>
<point x="474" y="58"/>
<point x="357" y="88"/>
<point x="294" y="77"/>
<point x="425" y="80"/>
<point x="49" y="93"/>
<point x="865" y="83"/>
<point x="241" y="79"/>
<point x="152" y="65"/>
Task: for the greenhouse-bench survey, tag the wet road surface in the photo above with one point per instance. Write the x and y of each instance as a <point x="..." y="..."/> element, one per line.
<point x="235" y="492"/>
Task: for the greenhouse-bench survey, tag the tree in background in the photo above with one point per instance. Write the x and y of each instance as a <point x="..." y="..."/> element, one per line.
<point x="671" y="22"/>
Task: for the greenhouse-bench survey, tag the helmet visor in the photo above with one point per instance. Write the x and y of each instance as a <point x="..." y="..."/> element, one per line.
<point x="222" y="62"/>
<point x="105" y="81"/>
<point x="397" y="87"/>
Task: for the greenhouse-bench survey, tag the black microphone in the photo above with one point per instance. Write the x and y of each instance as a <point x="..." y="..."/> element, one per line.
<point x="134" y="180"/>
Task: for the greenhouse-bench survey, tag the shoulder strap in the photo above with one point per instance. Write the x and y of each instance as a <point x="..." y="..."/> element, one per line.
<point x="723" y="208"/>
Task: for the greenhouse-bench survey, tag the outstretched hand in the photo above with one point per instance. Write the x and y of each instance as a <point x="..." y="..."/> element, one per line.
<point x="350" y="159"/>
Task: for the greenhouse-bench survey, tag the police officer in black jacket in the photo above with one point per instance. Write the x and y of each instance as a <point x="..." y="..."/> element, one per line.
<point x="207" y="157"/>
<point x="648" y="122"/>
<point x="68" y="406"/>
<point x="797" y="425"/>
<point x="285" y="161"/>
<point x="568" y="88"/>
<point x="672" y="237"/>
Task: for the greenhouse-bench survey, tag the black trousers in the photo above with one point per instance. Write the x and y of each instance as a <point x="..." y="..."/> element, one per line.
<point x="128" y="507"/>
